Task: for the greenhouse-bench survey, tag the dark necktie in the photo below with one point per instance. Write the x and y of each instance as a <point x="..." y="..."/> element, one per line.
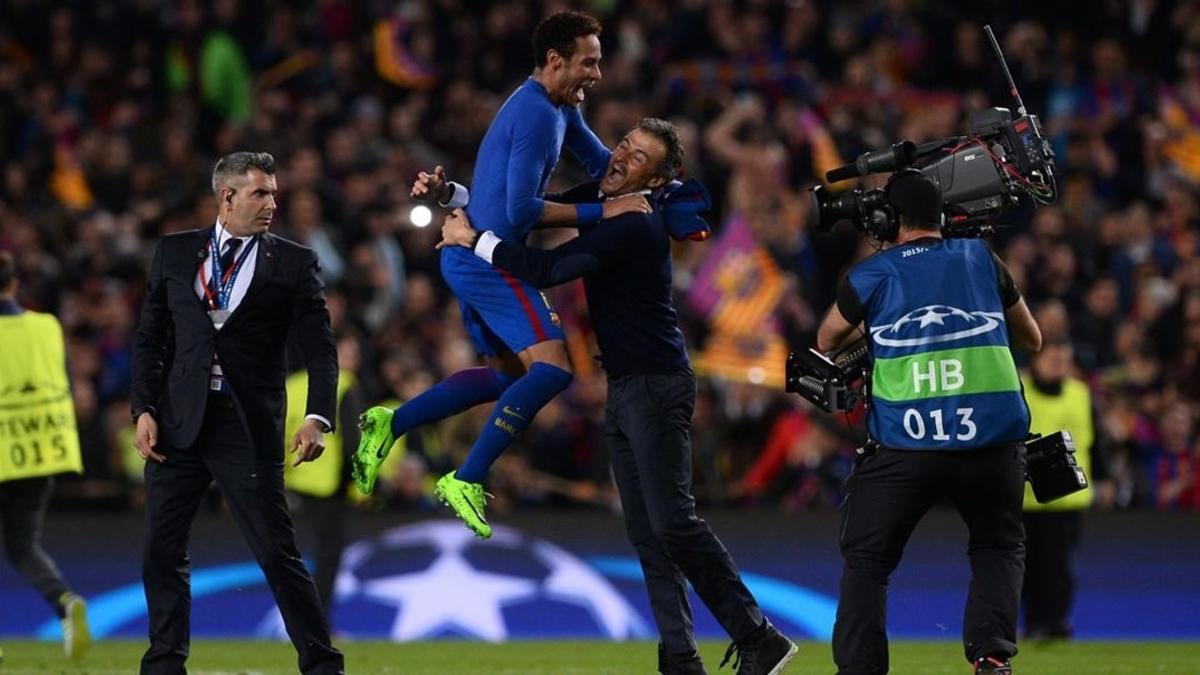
<point x="231" y="248"/>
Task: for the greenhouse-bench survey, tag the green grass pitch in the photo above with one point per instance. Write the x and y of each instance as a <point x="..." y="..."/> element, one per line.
<point x="590" y="658"/>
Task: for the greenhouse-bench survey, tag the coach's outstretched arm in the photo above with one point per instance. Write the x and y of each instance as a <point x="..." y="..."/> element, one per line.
<point x="591" y="251"/>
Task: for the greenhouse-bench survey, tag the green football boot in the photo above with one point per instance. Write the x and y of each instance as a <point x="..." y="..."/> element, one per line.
<point x="468" y="500"/>
<point x="376" y="442"/>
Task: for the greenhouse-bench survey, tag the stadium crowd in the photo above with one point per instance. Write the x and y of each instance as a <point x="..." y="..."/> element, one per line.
<point x="112" y="113"/>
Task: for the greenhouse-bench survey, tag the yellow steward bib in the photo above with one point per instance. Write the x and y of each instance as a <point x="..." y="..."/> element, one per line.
<point x="318" y="478"/>
<point x="38" y="436"/>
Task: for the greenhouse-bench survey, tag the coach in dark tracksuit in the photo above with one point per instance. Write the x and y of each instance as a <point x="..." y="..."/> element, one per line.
<point x="625" y="263"/>
<point x="208" y="398"/>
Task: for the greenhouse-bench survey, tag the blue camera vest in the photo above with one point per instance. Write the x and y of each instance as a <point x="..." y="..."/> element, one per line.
<point x="943" y="376"/>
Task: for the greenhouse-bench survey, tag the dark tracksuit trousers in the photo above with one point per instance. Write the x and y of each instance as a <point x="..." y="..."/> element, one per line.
<point x="648" y="432"/>
<point x="888" y="493"/>
<point x="22" y="512"/>
<point x="1049" y="588"/>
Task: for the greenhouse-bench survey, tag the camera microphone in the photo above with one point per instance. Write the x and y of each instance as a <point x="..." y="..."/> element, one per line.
<point x="842" y="173"/>
<point x="896" y="157"/>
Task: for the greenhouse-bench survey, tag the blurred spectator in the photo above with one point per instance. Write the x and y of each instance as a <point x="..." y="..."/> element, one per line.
<point x="307" y="226"/>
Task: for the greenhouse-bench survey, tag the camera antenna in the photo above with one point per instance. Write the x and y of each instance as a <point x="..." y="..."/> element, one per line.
<point x="1012" y="86"/>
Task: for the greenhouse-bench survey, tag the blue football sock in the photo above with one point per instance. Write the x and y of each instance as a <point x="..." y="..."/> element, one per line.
<point x="512" y="415"/>
<point x="462" y="390"/>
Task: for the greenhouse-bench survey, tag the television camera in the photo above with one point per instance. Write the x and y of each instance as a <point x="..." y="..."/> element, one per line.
<point x="839" y="380"/>
<point x="834" y="382"/>
<point x="979" y="175"/>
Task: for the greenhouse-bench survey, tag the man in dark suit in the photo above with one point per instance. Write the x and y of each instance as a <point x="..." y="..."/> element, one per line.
<point x="208" y="398"/>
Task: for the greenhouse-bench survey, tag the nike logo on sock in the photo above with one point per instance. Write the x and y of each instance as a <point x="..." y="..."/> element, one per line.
<point x="509" y="411"/>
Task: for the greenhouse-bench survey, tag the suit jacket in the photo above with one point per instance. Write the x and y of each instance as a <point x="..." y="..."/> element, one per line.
<point x="175" y="340"/>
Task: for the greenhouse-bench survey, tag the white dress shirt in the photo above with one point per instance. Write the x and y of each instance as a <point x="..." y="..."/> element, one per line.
<point x="245" y="275"/>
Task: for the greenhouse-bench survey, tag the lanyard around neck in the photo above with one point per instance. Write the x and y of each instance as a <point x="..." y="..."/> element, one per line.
<point x="219" y="298"/>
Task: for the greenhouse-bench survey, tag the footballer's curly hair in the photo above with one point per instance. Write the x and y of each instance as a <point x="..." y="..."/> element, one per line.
<point x="558" y="32"/>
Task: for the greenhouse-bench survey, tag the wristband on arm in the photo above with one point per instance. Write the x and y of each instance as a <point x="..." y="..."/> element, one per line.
<point x="589" y="213"/>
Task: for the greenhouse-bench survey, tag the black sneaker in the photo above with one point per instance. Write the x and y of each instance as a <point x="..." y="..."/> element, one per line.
<point x="679" y="664"/>
<point x="766" y="652"/>
<point x="993" y="665"/>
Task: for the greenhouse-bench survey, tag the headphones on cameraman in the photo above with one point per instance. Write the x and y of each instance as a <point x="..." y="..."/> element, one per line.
<point x="884" y="221"/>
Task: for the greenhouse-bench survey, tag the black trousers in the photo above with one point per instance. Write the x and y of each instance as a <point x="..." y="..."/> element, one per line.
<point x="887" y="495"/>
<point x="648" y="432"/>
<point x="1051" y="538"/>
<point x="22" y="513"/>
<point x="253" y="488"/>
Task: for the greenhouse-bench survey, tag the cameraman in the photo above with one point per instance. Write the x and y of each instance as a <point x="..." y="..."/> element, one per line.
<point x="946" y="419"/>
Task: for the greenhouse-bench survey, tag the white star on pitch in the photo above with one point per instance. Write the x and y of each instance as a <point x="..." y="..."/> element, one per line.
<point x="932" y="316"/>
<point x="572" y="580"/>
<point x="449" y="593"/>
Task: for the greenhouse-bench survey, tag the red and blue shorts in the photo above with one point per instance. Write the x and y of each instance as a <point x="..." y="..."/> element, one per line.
<point x="500" y="312"/>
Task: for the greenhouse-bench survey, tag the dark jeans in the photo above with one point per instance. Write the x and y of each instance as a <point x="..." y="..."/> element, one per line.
<point x="887" y="495"/>
<point x="253" y="488"/>
<point x="1051" y="538"/>
<point x="23" y="511"/>
<point x="648" y="432"/>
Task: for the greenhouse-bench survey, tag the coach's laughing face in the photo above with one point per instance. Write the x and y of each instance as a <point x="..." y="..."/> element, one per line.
<point x="635" y="164"/>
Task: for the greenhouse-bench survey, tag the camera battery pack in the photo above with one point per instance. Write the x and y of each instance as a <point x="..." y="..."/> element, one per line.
<point x="1050" y="467"/>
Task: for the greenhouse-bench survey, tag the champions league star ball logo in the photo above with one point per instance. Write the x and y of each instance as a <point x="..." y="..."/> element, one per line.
<point x="435" y="579"/>
<point x="933" y="324"/>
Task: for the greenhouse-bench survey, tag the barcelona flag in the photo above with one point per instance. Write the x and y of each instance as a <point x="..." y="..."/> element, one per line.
<point x="737" y="288"/>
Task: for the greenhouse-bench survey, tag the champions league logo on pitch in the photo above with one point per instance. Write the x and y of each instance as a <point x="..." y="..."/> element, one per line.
<point x="435" y="580"/>
<point x="934" y="324"/>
